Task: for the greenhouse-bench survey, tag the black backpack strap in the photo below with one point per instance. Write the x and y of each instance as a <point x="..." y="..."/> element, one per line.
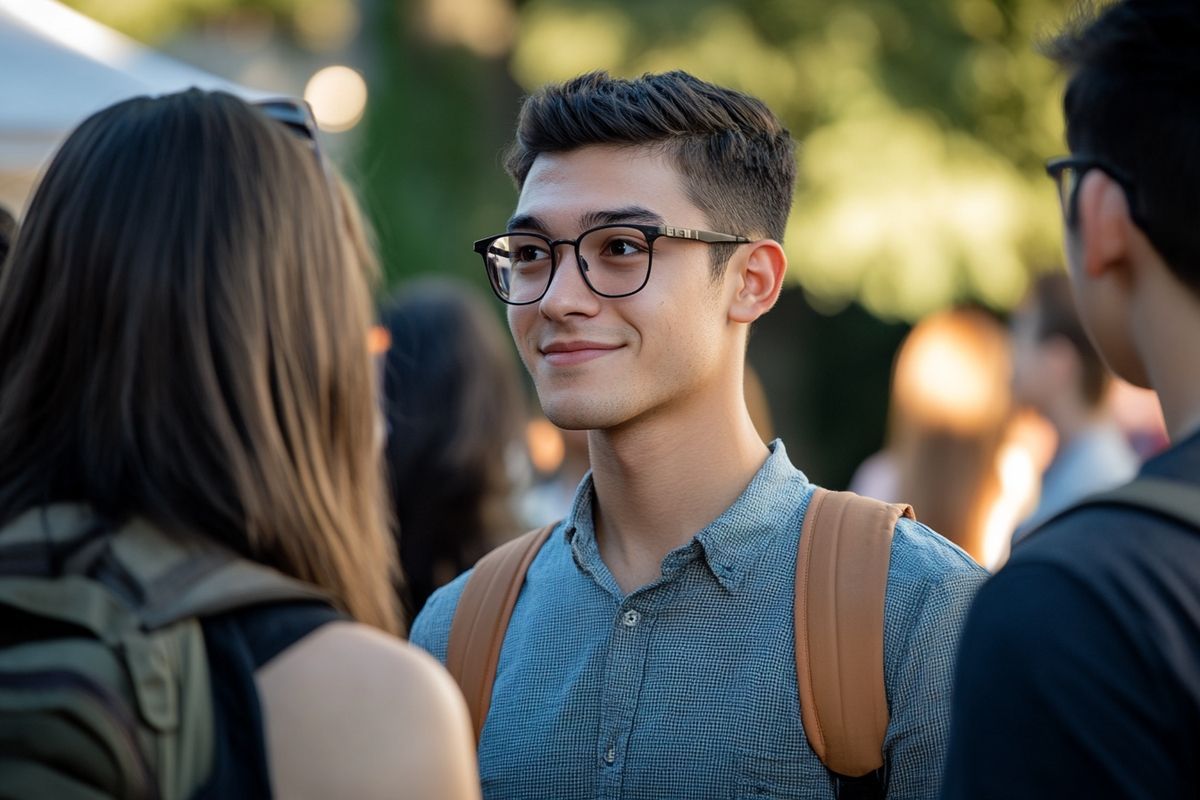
<point x="1175" y="500"/>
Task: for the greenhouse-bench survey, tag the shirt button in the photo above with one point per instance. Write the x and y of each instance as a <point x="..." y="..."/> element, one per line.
<point x="630" y="618"/>
<point x="610" y="755"/>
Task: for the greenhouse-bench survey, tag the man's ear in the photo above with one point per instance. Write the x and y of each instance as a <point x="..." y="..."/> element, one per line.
<point x="759" y="280"/>
<point x="1103" y="224"/>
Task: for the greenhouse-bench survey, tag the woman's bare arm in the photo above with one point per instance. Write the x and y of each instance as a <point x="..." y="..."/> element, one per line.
<point x="352" y="712"/>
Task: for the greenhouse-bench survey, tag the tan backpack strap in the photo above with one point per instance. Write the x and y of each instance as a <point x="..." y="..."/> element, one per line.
<point x="841" y="580"/>
<point x="481" y="619"/>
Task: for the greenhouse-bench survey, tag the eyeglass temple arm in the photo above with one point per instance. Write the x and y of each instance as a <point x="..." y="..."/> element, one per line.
<point x="710" y="237"/>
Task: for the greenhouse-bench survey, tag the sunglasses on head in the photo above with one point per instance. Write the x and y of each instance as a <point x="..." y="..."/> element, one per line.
<point x="296" y="116"/>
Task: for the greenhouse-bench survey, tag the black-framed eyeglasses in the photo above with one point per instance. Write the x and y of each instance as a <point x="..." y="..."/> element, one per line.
<point x="1068" y="172"/>
<point x="614" y="260"/>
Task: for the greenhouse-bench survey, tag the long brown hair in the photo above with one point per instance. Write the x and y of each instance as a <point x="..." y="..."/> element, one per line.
<point x="951" y="406"/>
<point x="183" y="328"/>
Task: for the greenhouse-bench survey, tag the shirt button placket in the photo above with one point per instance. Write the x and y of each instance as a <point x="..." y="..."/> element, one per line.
<point x="626" y="669"/>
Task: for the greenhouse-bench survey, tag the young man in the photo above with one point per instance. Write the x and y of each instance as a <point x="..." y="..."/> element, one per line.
<point x="650" y="653"/>
<point x="1058" y="373"/>
<point x="1079" y="674"/>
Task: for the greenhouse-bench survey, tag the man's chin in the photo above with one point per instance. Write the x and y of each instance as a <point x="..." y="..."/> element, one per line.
<point x="572" y="414"/>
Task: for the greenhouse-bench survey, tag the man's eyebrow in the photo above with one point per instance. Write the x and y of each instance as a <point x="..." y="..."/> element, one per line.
<point x="636" y="214"/>
<point x="590" y="219"/>
<point x="526" y="222"/>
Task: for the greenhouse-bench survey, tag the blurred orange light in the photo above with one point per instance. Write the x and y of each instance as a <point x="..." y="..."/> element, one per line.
<point x="546" y="446"/>
<point x="338" y="96"/>
<point x="953" y="372"/>
<point x="379" y="340"/>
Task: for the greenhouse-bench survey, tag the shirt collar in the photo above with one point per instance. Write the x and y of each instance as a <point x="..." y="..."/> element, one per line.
<point x="733" y="542"/>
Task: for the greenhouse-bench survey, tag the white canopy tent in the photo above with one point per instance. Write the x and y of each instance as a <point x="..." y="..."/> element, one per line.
<point x="56" y="68"/>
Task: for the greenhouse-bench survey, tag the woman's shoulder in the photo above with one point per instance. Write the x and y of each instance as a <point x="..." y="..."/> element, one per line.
<point x="352" y="711"/>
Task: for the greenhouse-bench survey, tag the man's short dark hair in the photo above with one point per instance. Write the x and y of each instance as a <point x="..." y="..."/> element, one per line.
<point x="1057" y="317"/>
<point x="737" y="160"/>
<point x="1133" y="101"/>
<point x="8" y="232"/>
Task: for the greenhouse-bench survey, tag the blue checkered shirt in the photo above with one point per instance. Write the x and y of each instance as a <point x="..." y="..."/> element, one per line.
<point x="686" y="687"/>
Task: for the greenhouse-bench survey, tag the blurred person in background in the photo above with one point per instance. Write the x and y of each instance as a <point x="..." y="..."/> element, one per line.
<point x="1059" y="374"/>
<point x="455" y="411"/>
<point x="1079" y="670"/>
<point x="188" y="413"/>
<point x="948" y="418"/>
<point x="651" y="651"/>
<point x="559" y="458"/>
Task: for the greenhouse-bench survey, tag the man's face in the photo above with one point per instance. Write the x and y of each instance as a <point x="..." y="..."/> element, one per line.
<point x="600" y="362"/>
<point x="1102" y="304"/>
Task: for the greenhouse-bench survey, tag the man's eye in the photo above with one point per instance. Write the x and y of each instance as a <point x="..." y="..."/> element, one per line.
<point x="621" y="247"/>
<point x="528" y="253"/>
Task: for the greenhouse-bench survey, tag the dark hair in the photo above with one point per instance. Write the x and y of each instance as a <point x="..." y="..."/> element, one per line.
<point x="1058" y="317"/>
<point x="1133" y="101"/>
<point x="737" y="160"/>
<point x="454" y="409"/>
<point x="183" y="336"/>
<point x="8" y="232"/>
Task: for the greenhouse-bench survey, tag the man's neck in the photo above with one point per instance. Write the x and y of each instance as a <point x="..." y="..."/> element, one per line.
<point x="660" y="481"/>
<point x="1167" y="334"/>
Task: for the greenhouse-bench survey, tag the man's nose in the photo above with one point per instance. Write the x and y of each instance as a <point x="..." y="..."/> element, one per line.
<point x="568" y="291"/>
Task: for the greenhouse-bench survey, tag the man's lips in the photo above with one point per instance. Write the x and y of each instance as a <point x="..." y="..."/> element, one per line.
<point x="563" y="354"/>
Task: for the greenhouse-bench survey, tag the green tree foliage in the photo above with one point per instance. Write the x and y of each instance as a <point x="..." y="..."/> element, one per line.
<point x="923" y="126"/>
<point x="923" y="123"/>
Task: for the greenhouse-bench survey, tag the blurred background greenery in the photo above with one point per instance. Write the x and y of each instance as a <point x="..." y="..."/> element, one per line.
<point x="923" y="127"/>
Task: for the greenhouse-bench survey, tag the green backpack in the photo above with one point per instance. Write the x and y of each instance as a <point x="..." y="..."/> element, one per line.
<point x="104" y="682"/>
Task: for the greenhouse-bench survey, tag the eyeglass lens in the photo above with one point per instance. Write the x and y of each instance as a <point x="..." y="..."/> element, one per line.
<point x="614" y="262"/>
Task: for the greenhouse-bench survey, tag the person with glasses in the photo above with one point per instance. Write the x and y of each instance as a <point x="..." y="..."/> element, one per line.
<point x="1079" y="673"/>
<point x="651" y="651"/>
<point x="188" y="421"/>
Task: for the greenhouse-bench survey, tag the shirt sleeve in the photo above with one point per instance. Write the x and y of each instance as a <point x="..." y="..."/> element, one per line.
<point x="1052" y="697"/>
<point x="919" y="728"/>
<point x="431" y="629"/>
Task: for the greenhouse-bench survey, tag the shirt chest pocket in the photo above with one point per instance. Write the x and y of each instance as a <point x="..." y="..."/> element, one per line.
<point x="762" y="775"/>
<point x="772" y="755"/>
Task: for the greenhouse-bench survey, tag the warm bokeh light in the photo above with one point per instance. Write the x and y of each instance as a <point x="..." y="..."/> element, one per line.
<point x="953" y="373"/>
<point x="1018" y="483"/>
<point x="486" y="27"/>
<point x="338" y="96"/>
<point x="546" y="446"/>
<point x="379" y="340"/>
<point x="324" y="25"/>
<point x="1027" y="450"/>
